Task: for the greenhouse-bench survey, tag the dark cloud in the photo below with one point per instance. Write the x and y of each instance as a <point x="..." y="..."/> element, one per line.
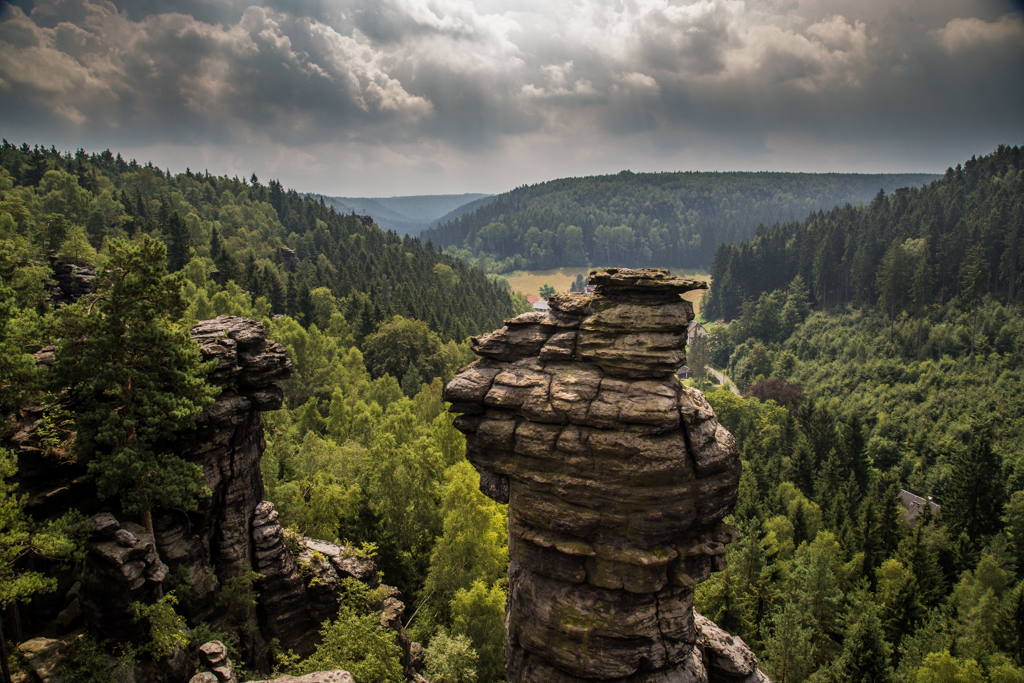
<point x="436" y="93"/>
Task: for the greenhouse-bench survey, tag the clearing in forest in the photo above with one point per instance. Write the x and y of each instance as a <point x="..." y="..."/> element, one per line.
<point x="529" y="281"/>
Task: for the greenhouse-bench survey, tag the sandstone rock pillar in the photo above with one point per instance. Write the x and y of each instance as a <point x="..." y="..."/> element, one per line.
<point x="617" y="478"/>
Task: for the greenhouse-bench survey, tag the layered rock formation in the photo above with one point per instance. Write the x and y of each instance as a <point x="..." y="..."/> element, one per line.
<point x="231" y="540"/>
<point x="617" y="478"/>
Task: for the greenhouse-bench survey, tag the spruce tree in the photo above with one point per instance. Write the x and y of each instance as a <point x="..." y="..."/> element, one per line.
<point x="974" y="493"/>
<point x="789" y="649"/>
<point x="921" y="289"/>
<point x="179" y="242"/>
<point x="134" y="378"/>
<point x="865" y="655"/>
<point x="412" y="380"/>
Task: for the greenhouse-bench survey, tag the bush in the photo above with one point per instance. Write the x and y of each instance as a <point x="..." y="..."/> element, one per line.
<point x="450" y="659"/>
<point x="356" y="642"/>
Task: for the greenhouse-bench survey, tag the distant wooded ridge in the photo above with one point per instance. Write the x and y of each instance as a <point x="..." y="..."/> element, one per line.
<point x="411" y="214"/>
<point x="645" y="219"/>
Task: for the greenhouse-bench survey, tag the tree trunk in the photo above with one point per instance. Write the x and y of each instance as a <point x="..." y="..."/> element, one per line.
<point x="3" y="656"/>
<point x="14" y="622"/>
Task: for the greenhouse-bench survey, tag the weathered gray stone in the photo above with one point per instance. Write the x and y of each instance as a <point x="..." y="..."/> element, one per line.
<point x="70" y="617"/>
<point x="641" y="281"/>
<point x="726" y="658"/>
<point x="43" y="657"/>
<point x="616" y="477"/>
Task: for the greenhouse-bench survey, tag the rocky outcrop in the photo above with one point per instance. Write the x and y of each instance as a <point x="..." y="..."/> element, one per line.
<point x="122" y="568"/>
<point x="71" y="282"/>
<point x="214" y="664"/>
<point x="231" y="541"/>
<point x="300" y="580"/>
<point x="617" y="479"/>
<point x="217" y="668"/>
<point x="726" y="658"/>
<point x="337" y="676"/>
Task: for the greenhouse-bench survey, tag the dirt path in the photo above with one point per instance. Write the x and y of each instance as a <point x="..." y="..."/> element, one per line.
<point x="723" y="380"/>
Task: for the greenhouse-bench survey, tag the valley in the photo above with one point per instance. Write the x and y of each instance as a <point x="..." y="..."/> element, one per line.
<point x="852" y="367"/>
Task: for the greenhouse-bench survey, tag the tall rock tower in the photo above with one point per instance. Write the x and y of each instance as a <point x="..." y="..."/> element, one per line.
<point x="616" y="476"/>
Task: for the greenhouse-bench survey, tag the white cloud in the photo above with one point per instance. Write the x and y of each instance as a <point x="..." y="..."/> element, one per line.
<point x="963" y="33"/>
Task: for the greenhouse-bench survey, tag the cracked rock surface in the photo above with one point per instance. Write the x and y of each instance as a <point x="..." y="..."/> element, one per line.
<point x="617" y="479"/>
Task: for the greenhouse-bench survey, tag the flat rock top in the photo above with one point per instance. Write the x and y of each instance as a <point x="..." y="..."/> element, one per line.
<point x="246" y="333"/>
<point x="641" y="281"/>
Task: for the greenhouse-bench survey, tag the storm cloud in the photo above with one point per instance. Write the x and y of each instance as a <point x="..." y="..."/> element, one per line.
<point x="382" y="97"/>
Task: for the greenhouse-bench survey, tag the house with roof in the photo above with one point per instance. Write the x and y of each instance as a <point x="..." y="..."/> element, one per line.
<point x="913" y="506"/>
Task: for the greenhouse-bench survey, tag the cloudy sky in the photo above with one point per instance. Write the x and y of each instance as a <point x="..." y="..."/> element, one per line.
<point x="393" y="97"/>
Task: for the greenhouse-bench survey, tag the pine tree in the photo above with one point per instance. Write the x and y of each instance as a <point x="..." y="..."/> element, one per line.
<point x="135" y="378"/>
<point x="412" y="381"/>
<point x="865" y="654"/>
<point x="179" y="242"/>
<point x="17" y="368"/>
<point x="974" y="492"/>
<point x="21" y="538"/>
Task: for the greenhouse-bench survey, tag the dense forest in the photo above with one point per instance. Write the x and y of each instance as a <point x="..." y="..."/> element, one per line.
<point x="912" y="383"/>
<point x="643" y="219"/>
<point x="909" y="379"/>
<point x="958" y="236"/>
<point x="243" y="229"/>
<point x="362" y="452"/>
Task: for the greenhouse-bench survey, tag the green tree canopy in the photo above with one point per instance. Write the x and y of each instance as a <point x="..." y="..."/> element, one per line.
<point x="135" y="377"/>
<point x="402" y="341"/>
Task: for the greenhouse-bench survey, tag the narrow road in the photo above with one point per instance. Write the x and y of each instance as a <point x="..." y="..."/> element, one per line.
<point x="723" y="380"/>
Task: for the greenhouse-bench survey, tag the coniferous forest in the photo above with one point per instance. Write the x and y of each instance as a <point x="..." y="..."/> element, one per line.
<point x="879" y="348"/>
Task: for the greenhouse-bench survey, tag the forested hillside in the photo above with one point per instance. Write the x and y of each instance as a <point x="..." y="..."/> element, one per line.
<point x="959" y="235"/>
<point x="242" y="228"/>
<point x="644" y="219"/>
<point x="910" y="379"/>
<point x="362" y="452"/>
